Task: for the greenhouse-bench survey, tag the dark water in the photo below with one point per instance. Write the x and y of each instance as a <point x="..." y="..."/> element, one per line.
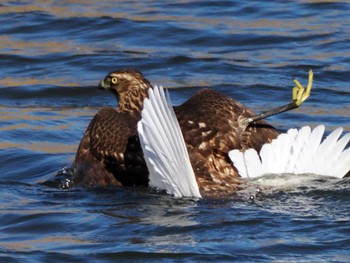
<point x="52" y="55"/>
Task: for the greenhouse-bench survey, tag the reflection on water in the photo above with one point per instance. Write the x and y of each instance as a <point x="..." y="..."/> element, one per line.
<point x="40" y="48"/>
<point x="37" y="129"/>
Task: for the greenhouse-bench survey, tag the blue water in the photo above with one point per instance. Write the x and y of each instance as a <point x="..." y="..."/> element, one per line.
<point x="53" y="54"/>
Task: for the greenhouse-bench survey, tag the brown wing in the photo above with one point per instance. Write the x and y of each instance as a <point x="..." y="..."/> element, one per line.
<point x="110" y="153"/>
<point x="209" y="123"/>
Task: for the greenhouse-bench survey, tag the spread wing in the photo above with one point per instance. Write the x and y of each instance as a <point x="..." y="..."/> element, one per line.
<point x="298" y="152"/>
<point x="109" y="133"/>
<point x="164" y="147"/>
<point x="211" y="119"/>
<point x="109" y="152"/>
<point x="209" y="122"/>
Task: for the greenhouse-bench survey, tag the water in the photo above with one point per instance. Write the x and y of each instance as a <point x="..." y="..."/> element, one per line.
<point x="53" y="54"/>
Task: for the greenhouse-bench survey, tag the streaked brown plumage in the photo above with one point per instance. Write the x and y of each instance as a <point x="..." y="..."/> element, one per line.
<point x="209" y="124"/>
<point x="110" y="152"/>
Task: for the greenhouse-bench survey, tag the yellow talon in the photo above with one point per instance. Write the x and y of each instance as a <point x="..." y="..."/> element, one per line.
<point x="295" y="93"/>
<point x="299" y="92"/>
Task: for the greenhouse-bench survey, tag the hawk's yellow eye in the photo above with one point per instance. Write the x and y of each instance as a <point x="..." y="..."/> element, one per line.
<point x="114" y="80"/>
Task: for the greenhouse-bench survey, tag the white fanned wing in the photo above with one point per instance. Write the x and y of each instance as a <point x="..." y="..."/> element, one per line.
<point x="164" y="147"/>
<point x="297" y="152"/>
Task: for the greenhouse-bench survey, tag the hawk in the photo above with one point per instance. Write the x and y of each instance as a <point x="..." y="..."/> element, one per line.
<point x="110" y="154"/>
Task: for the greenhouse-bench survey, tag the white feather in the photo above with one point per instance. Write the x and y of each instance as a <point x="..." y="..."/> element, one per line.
<point x="253" y="163"/>
<point x="275" y="155"/>
<point x="306" y="159"/>
<point x="298" y="152"/>
<point x="343" y="166"/>
<point x="164" y="147"/>
<point x="293" y="135"/>
<point x="281" y="158"/>
<point x="297" y="148"/>
<point x="239" y="162"/>
<point x="268" y="160"/>
<point x="325" y="152"/>
<point x="337" y="155"/>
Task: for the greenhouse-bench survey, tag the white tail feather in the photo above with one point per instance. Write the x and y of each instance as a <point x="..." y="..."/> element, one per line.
<point x="253" y="162"/>
<point x="343" y="165"/>
<point x="297" y="148"/>
<point x="308" y="156"/>
<point x="164" y="147"/>
<point x="326" y="151"/>
<point x="239" y="162"/>
<point x="297" y="152"/>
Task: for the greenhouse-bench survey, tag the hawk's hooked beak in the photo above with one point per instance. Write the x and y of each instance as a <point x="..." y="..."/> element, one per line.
<point x="103" y="85"/>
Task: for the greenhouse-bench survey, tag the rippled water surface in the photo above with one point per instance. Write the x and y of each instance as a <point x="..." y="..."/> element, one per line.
<point x="53" y="54"/>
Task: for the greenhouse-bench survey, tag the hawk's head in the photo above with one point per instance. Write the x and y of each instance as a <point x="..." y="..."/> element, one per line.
<point x="129" y="86"/>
